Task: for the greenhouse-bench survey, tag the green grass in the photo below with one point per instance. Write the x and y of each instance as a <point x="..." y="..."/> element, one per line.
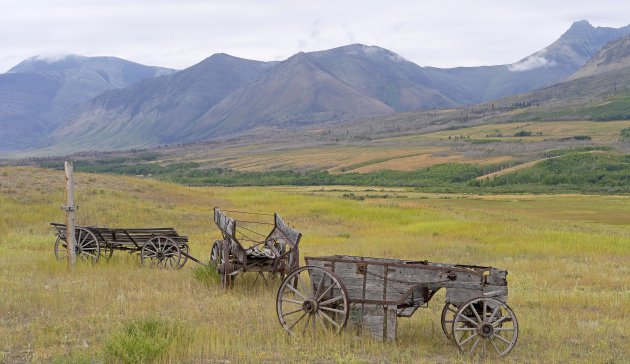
<point x="610" y="172"/>
<point x="566" y="256"/>
<point x="141" y="341"/>
<point x="575" y="170"/>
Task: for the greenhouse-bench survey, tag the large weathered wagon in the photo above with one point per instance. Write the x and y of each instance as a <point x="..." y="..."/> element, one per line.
<point x="369" y="294"/>
<point x="273" y="253"/>
<point x="157" y="247"/>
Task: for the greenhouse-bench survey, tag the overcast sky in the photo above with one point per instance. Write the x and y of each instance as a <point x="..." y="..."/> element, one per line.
<point x="180" y="33"/>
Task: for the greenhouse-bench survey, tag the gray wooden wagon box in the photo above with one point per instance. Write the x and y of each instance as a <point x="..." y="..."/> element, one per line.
<point x="367" y="295"/>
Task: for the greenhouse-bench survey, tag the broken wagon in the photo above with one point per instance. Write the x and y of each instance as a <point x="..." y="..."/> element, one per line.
<point x="369" y="294"/>
<point x="159" y="247"/>
<point x="244" y="249"/>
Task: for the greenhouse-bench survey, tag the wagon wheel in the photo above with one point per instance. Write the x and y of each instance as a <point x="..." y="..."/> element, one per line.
<point x="224" y="264"/>
<point x="161" y="252"/>
<point x="87" y="246"/>
<point x="485" y="325"/>
<point x="312" y="300"/>
<point x="61" y="247"/>
<point x="183" y="249"/>
<point x="215" y="253"/>
<point x="448" y="314"/>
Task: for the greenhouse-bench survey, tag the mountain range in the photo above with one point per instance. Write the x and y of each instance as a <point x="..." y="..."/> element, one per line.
<point x="39" y="93"/>
<point x="224" y="95"/>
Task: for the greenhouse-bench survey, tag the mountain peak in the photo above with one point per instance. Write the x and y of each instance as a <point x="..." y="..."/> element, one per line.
<point x="48" y="62"/>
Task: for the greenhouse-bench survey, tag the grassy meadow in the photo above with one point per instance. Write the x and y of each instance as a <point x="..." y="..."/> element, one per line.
<point x="567" y="257"/>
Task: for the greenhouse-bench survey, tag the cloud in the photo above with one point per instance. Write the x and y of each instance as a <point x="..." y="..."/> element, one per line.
<point x="534" y="61"/>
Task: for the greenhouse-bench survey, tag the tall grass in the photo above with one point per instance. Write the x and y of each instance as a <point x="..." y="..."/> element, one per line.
<point x="566" y="256"/>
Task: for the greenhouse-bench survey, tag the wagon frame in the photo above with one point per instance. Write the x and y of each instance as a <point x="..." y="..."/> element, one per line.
<point x="274" y="253"/>
<point x="367" y="295"/>
<point x="160" y="247"/>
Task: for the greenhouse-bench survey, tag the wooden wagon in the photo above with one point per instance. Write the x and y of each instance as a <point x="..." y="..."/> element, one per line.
<point x="243" y="249"/>
<point x="369" y="294"/>
<point x="157" y="247"/>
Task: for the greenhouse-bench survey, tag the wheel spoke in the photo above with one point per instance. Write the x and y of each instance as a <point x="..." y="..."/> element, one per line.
<point x="474" y="310"/>
<point x="321" y="322"/>
<point x="502" y="339"/>
<point x="500" y="320"/>
<point x="495" y="347"/>
<point x="289" y="286"/>
<point x="465" y="329"/>
<point x="475" y="345"/>
<point x="292" y="312"/>
<point x="292" y="301"/>
<point x="306" y="289"/>
<point x="467" y="339"/>
<point x="329" y="319"/>
<point x="325" y="292"/>
<point x="296" y="321"/>
<point x="331" y="309"/>
<point x="308" y="319"/>
<point x="469" y="319"/>
<point x="332" y="300"/>
<point x="494" y="312"/>
<point x="320" y="285"/>
<point x="504" y="329"/>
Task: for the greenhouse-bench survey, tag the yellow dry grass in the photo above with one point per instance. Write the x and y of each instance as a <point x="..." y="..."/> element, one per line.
<point x="567" y="256"/>
<point x="600" y="132"/>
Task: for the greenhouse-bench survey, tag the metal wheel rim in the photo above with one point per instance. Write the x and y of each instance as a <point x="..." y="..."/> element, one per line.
<point x="448" y="315"/>
<point x="87" y="245"/>
<point x="319" y="304"/>
<point x="467" y="329"/>
<point x="160" y="252"/>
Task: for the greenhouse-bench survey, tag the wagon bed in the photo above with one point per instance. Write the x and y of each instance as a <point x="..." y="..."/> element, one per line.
<point x="369" y="294"/>
<point x="161" y="246"/>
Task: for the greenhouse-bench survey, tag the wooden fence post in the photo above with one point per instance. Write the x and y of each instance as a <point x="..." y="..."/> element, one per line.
<point x="70" y="208"/>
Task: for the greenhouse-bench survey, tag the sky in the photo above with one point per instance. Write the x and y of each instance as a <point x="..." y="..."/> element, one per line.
<point x="180" y="33"/>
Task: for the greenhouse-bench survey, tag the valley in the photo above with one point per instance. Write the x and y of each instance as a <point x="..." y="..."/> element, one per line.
<point x="548" y="243"/>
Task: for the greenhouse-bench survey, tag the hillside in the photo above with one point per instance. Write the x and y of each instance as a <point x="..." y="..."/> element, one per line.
<point x="598" y="91"/>
<point x="37" y="94"/>
<point x="546" y="67"/>
<point x="157" y="110"/>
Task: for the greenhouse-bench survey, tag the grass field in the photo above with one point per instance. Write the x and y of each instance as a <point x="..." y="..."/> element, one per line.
<point x="567" y="257"/>
<point x="601" y="132"/>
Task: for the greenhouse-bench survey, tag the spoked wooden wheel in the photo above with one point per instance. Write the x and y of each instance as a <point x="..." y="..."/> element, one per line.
<point x="87" y="247"/>
<point x="448" y="314"/>
<point x="485" y="326"/>
<point x="312" y="300"/>
<point x="215" y="253"/>
<point x="184" y="251"/>
<point x="160" y="252"/>
<point x="61" y="247"/>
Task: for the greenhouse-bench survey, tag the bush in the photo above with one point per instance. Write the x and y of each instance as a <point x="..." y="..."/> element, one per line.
<point x="207" y="275"/>
<point x="141" y="341"/>
<point x="522" y="133"/>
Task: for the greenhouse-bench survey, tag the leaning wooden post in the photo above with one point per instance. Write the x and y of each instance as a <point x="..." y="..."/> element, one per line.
<point x="70" y="208"/>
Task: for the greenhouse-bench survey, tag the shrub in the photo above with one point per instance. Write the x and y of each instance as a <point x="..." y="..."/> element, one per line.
<point x="207" y="275"/>
<point x="141" y="341"/>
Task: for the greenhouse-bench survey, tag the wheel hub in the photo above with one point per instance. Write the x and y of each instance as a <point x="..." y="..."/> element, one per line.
<point x="310" y="306"/>
<point x="160" y="255"/>
<point x="485" y="330"/>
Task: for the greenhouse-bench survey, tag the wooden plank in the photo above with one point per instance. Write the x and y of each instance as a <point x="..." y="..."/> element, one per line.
<point x="376" y="321"/>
